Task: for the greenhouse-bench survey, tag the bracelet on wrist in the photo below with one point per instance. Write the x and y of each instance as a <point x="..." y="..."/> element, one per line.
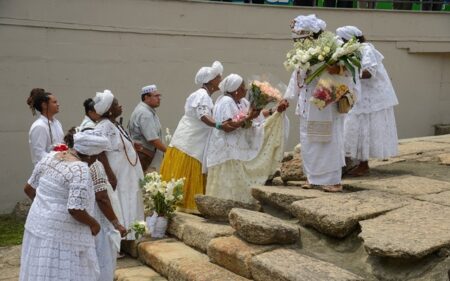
<point x="218" y="125"/>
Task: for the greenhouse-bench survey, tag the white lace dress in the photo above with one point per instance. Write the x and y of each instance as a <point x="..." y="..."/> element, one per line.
<point x="244" y="158"/>
<point x="126" y="167"/>
<point x="369" y="128"/>
<point x="107" y="241"/>
<point x="56" y="246"/>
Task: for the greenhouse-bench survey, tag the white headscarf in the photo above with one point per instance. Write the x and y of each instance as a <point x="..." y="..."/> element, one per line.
<point x="206" y="73"/>
<point x="347" y="32"/>
<point x="89" y="143"/>
<point x="306" y="24"/>
<point x="103" y="101"/>
<point x="230" y="83"/>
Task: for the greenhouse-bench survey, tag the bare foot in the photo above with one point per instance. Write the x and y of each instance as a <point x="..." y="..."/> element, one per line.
<point x="333" y="188"/>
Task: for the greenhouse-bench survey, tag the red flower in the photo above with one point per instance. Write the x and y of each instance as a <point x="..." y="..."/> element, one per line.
<point x="61" y="147"/>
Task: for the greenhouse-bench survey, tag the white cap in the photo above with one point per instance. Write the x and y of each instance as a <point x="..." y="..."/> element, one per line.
<point x="307" y="24"/>
<point x="103" y="101"/>
<point x="206" y="73"/>
<point x="348" y="32"/>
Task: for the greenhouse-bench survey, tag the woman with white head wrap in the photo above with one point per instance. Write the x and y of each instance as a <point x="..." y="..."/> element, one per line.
<point x="245" y="156"/>
<point x="120" y="161"/>
<point x="321" y="131"/>
<point x="59" y="238"/>
<point x="369" y="128"/>
<point x="184" y="156"/>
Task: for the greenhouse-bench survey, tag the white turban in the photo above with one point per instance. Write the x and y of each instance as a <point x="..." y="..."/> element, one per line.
<point x="103" y="101"/>
<point x="230" y="83"/>
<point x="206" y="73"/>
<point x="348" y="32"/>
<point x="89" y="143"/>
<point x="148" y="89"/>
<point x="307" y="24"/>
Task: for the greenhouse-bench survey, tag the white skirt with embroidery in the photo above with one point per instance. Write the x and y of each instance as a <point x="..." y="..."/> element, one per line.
<point x="233" y="179"/>
<point x="49" y="260"/>
<point x="371" y="135"/>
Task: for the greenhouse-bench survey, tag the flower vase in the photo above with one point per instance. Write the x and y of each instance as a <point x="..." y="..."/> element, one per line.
<point x="157" y="225"/>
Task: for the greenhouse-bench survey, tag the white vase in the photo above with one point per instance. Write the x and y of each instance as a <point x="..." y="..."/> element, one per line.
<point x="157" y="225"/>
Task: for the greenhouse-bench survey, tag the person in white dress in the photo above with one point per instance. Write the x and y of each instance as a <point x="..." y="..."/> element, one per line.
<point x="245" y="156"/>
<point x="91" y="117"/>
<point x="58" y="241"/>
<point x="185" y="154"/>
<point x="46" y="132"/>
<point x="120" y="161"/>
<point x="321" y="131"/>
<point x="369" y="128"/>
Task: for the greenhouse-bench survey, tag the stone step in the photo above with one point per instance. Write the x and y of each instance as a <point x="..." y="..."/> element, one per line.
<point x="196" y="231"/>
<point x="218" y="209"/>
<point x="288" y="265"/>
<point x="413" y="231"/>
<point x="263" y="229"/>
<point x="137" y="273"/>
<point x="235" y="254"/>
<point x="283" y="196"/>
<point x="338" y="215"/>
<point x="405" y="185"/>
<point x="179" y="262"/>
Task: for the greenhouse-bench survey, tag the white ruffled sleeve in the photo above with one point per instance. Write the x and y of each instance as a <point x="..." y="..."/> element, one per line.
<point x="78" y="188"/>
<point x="293" y="89"/>
<point x="371" y="59"/>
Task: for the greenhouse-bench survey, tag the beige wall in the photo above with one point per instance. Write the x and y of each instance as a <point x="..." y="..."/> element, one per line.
<point x="73" y="48"/>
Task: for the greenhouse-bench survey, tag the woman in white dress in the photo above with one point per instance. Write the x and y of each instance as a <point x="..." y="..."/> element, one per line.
<point x="321" y="131"/>
<point x="184" y="157"/>
<point x="58" y="242"/>
<point x="244" y="157"/>
<point x="121" y="162"/>
<point x="369" y="128"/>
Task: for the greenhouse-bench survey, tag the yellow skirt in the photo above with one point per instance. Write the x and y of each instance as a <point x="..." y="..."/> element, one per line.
<point x="177" y="164"/>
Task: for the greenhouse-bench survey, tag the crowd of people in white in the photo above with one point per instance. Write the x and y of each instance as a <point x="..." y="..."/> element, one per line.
<point x="85" y="198"/>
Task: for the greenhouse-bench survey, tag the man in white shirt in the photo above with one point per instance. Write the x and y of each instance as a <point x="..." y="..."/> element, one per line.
<point x="145" y="129"/>
<point x="46" y="131"/>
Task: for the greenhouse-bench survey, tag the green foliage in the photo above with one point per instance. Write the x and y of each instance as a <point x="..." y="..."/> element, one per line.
<point x="11" y="230"/>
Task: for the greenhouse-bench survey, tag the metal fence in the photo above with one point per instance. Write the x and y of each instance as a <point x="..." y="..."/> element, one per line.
<point x="413" y="5"/>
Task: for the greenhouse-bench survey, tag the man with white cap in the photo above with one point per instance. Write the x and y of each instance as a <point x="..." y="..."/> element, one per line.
<point x="321" y="131"/>
<point x="145" y="129"/>
<point x="369" y="128"/>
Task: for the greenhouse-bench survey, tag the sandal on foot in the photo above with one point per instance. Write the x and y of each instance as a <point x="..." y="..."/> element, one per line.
<point x="333" y="188"/>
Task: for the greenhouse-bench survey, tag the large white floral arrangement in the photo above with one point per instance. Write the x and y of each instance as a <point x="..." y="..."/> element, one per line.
<point x="161" y="196"/>
<point x="326" y="51"/>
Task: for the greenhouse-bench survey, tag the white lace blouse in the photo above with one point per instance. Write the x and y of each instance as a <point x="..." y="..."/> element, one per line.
<point x="60" y="185"/>
<point x="240" y="144"/>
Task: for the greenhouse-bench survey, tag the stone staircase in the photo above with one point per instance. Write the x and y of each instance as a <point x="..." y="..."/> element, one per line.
<point x="391" y="225"/>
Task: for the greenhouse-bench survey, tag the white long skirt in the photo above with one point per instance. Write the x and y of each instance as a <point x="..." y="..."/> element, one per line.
<point x="48" y="260"/>
<point x="323" y="161"/>
<point x="233" y="179"/>
<point x="106" y="254"/>
<point x="371" y="135"/>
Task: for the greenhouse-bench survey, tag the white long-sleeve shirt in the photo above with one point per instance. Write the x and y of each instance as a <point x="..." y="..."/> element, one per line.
<point x="39" y="137"/>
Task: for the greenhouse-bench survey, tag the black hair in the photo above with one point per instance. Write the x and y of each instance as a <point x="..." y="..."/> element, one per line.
<point x="88" y="105"/>
<point x="30" y="100"/>
<point x="40" y="98"/>
<point x="143" y="97"/>
<point x="68" y="138"/>
<point x="361" y="39"/>
<point x="316" y="35"/>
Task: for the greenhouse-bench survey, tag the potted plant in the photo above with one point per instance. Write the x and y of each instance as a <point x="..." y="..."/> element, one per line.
<point x="160" y="198"/>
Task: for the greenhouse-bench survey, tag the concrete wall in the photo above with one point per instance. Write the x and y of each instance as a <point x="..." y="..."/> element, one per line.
<point x="74" y="48"/>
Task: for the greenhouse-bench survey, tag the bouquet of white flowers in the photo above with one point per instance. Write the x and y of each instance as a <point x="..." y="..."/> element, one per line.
<point x="325" y="51"/>
<point x="161" y="196"/>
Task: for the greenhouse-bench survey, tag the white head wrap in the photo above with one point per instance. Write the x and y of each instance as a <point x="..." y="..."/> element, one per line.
<point x="230" y="83"/>
<point x="88" y="143"/>
<point x="347" y="32"/>
<point x="148" y="89"/>
<point x="306" y="24"/>
<point x="103" y="101"/>
<point x="206" y="73"/>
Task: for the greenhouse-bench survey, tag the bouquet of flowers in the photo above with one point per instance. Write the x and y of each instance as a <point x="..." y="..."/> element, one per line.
<point x="139" y="228"/>
<point x="328" y="91"/>
<point x="325" y="51"/>
<point x="262" y="93"/>
<point x="161" y="196"/>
